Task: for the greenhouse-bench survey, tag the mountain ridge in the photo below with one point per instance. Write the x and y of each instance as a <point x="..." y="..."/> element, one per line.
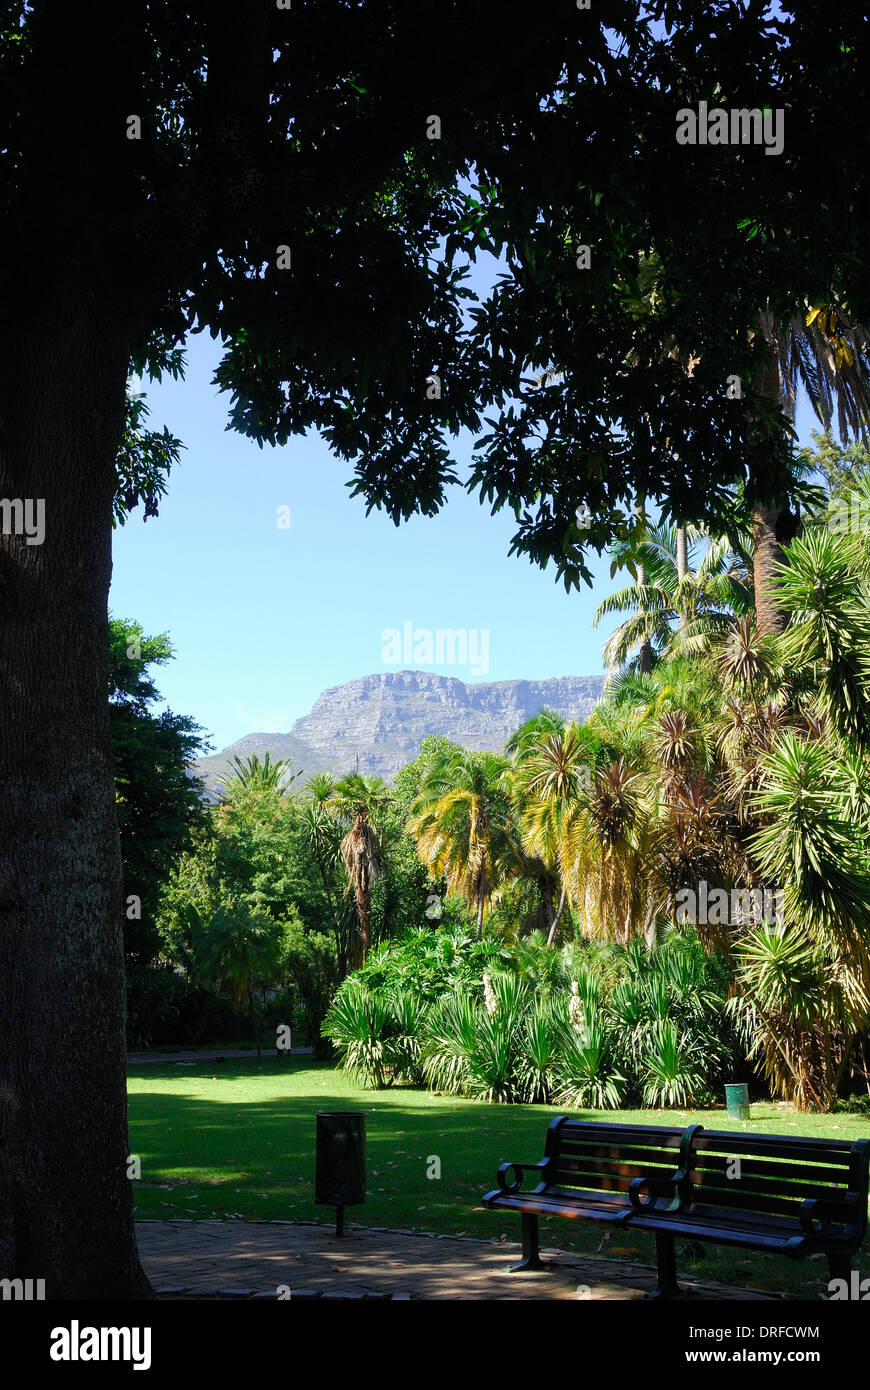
<point x="378" y="720"/>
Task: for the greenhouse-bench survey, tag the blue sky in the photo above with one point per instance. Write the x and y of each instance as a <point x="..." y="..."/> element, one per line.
<point x="263" y="619"/>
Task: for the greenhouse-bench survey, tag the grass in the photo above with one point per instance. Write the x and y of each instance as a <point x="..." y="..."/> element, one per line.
<point x="235" y="1140"/>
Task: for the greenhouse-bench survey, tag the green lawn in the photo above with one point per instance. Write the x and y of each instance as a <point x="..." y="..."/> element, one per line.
<point x="235" y="1140"/>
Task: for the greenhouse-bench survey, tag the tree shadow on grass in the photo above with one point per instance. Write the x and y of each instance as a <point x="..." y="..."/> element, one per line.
<point x="208" y="1150"/>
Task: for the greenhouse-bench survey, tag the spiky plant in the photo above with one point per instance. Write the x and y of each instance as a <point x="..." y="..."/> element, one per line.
<point x="586" y="1070"/>
<point x="358" y="1024"/>
<point x="537" y="1066"/>
<point x="670" y="1071"/>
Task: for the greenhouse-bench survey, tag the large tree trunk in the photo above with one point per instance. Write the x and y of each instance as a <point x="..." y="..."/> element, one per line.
<point x="773" y="527"/>
<point x="66" y="1208"/>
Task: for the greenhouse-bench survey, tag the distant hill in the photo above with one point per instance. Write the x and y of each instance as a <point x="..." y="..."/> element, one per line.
<point x="380" y="720"/>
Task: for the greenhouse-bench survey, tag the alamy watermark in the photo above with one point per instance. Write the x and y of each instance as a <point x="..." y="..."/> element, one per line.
<point x="77" y="1343"/>
<point x="741" y="907"/>
<point x="23" y="516"/>
<point x="732" y="126"/>
<point x="849" y="515"/>
<point x="855" y="1290"/>
<point x="23" y="1290"/>
<point x="424" y="646"/>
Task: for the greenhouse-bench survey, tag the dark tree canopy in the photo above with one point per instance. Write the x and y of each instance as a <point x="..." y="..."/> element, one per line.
<point x="306" y="128"/>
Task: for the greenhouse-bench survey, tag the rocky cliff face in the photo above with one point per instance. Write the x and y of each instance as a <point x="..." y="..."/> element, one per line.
<point x="380" y="720"/>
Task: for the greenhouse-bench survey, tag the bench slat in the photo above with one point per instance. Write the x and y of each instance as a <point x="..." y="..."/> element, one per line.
<point x="761" y="1168"/>
<point x="762" y="1188"/>
<point x="837" y="1153"/>
<point x="558" y="1205"/>
<point x="626" y="1152"/>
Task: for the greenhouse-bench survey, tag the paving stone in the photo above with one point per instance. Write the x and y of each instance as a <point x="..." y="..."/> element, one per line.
<point x="240" y="1257"/>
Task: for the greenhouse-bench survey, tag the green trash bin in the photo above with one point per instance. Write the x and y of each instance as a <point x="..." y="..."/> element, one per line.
<point x="737" y="1100"/>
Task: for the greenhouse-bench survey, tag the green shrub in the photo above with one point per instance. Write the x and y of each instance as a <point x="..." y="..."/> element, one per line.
<point x="586" y="1070"/>
<point x="671" y="1076"/>
<point x="589" y="1028"/>
<point x="467" y="1051"/>
<point x="164" y="1008"/>
<point x="539" y="1052"/>
<point x="358" y="1024"/>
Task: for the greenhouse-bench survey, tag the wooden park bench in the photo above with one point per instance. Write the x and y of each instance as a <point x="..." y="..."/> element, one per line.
<point x="789" y="1196"/>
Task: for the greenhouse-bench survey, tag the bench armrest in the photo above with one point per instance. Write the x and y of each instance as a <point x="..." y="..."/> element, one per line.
<point x="826" y="1210"/>
<point x="519" y="1169"/>
<point x="677" y="1186"/>
<point x="655" y="1188"/>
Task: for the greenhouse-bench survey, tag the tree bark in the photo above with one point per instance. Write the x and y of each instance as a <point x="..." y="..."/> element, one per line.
<point x="555" y="922"/>
<point x="682" y="566"/>
<point x="773" y="527"/>
<point x="66" y="1207"/>
<point x="644" y="653"/>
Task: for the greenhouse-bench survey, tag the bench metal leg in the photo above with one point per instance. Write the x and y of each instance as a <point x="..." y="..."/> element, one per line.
<point x="531" y="1259"/>
<point x="667" y="1268"/>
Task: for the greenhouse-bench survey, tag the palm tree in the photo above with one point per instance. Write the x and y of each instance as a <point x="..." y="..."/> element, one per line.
<point x="825" y="353"/>
<point x="794" y="741"/>
<point x="320" y="835"/>
<point x="702" y="601"/>
<point x="551" y="772"/>
<point x="360" y="800"/>
<point x="546" y="721"/>
<point x="460" y="820"/>
<point x="253" y="775"/>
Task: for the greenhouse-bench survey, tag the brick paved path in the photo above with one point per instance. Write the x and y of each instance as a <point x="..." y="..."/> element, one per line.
<point x="255" y="1257"/>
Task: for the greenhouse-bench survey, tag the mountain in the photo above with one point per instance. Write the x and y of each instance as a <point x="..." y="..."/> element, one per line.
<point x="381" y="719"/>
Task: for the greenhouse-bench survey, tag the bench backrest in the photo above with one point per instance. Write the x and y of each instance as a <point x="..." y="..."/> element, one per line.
<point x="772" y="1174"/>
<point x="765" y="1174"/>
<point x="601" y="1157"/>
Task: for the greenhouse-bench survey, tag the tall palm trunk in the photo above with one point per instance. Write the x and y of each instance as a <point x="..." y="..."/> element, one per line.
<point x="644" y="654"/>
<point x="773" y="527"/>
<point x="682" y="567"/>
<point x="359" y="851"/>
<point x="555" y="922"/>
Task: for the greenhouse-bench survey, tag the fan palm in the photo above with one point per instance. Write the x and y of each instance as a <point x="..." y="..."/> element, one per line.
<point x="701" y="601"/>
<point x="548" y="779"/>
<point x="320" y="836"/>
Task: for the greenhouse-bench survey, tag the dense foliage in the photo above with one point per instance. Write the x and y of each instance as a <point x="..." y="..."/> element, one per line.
<point x="588" y="1026"/>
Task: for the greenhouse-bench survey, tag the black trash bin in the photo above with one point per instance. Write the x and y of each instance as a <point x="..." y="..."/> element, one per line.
<point x="340" y="1163"/>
